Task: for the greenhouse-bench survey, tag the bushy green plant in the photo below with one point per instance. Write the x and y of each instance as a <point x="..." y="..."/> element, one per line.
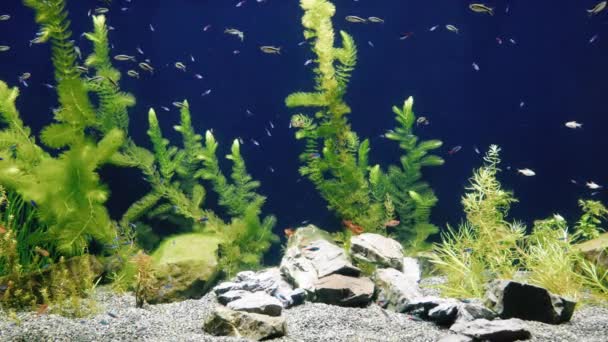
<point x="486" y="246"/>
<point x="337" y="161"/>
<point x="589" y="225"/>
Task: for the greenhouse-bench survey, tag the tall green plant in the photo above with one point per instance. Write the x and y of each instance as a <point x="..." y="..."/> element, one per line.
<point x="337" y="161"/>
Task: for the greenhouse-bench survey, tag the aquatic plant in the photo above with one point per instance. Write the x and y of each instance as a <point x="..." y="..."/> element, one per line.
<point x="176" y="176"/>
<point x="336" y="160"/>
<point x="486" y="246"/>
<point x="588" y="226"/>
<point x="66" y="190"/>
<point x="144" y="278"/>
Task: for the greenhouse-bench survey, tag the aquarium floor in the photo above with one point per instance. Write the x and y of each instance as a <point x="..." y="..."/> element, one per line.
<point x="119" y="320"/>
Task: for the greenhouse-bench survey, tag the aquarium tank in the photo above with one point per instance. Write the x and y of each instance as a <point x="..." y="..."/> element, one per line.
<point x="306" y="170"/>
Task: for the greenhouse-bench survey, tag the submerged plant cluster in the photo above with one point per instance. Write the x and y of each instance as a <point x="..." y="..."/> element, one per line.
<point x="57" y="239"/>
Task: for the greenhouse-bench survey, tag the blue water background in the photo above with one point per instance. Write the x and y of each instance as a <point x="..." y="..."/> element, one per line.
<point x="552" y="68"/>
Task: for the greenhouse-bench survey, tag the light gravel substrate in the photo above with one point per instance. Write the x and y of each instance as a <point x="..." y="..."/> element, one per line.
<point x="310" y="322"/>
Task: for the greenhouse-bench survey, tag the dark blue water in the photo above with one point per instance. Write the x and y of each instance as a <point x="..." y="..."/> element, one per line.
<point x="552" y="68"/>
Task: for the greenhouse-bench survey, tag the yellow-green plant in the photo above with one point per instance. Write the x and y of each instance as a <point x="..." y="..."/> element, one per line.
<point x="486" y="246"/>
<point x="144" y="278"/>
<point x="588" y="226"/>
<point x="337" y="161"/>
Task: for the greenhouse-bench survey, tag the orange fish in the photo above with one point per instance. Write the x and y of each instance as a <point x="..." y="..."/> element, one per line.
<point x="354" y="228"/>
<point x="289" y="232"/>
<point x="2" y="229"/>
<point x="43" y="252"/>
<point x="392" y="223"/>
<point x="42" y="309"/>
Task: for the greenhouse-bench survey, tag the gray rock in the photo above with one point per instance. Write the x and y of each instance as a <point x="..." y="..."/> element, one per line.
<point x="471" y="311"/>
<point x="497" y="330"/>
<point x="511" y="299"/>
<point x="257" y="302"/>
<point x="341" y="290"/>
<point x="421" y="306"/>
<point x="226" y="322"/>
<point x="395" y="289"/>
<point x="310" y="255"/>
<point x="377" y="249"/>
<point x="444" y="313"/>
<point x="230" y="296"/>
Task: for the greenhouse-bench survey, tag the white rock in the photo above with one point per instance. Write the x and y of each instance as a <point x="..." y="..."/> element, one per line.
<point x="370" y="247"/>
<point x="257" y="302"/>
<point x="395" y="289"/>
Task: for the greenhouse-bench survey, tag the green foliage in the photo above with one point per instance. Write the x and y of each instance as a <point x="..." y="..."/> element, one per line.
<point x="486" y="246"/>
<point x="588" y="227"/>
<point x="177" y="175"/>
<point x="337" y="161"/>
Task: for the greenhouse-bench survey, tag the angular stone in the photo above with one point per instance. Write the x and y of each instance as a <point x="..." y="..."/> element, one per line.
<point x="395" y="289"/>
<point x="341" y="290"/>
<point x="230" y="296"/>
<point x="378" y="249"/>
<point x="470" y="311"/>
<point x="497" y="330"/>
<point x="422" y="306"/>
<point x="444" y="313"/>
<point x="226" y="322"/>
<point x="257" y="302"/>
<point x="511" y="299"/>
<point x="310" y="255"/>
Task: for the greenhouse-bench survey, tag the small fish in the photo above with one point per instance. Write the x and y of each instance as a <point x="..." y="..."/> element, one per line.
<point x="5" y="17"/>
<point x="455" y="150"/>
<point x="78" y="52"/>
<point x="124" y="58"/>
<point x="370" y="43"/>
<point x="522" y="104"/>
<point x="573" y="124"/>
<point x="468" y="250"/>
<point x="240" y="3"/>
<point x="43" y="252"/>
<point x="559" y="217"/>
<point x="101" y="10"/>
<point x="50" y="86"/>
<point x="593" y="38"/>
<point x="392" y="223"/>
<point x="311" y="249"/>
<point x="139" y="50"/>
<point x="34" y="204"/>
<point x="181" y="66"/>
<point x="151" y="28"/>
<point x="512" y="41"/>
<point x="133" y="73"/>
<point x="597" y="8"/>
<point x="82" y="69"/>
<point x="179" y="105"/>
<point x="476" y="150"/>
<point x="433" y="28"/>
<point x="475" y="66"/>
<point x="308" y="61"/>
<point x="499" y="40"/>
<point x="375" y="20"/>
<point x="4" y="48"/>
<point x="271" y="124"/>
<point x="165" y="108"/>
<point x="2" y="229"/>
<point x="42" y="309"/>
<point x="206" y="28"/>
<point x="192" y="58"/>
<point x="573" y="182"/>
<point x="481" y="8"/>
<point x="206" y="92"/>
<point x="273" y="50"/>
<point x="526" y="172"/>
<point x="198" y="76"/>
<point x="406" y="35"/>
<point x="267" y="132"/>
<point x="452" y="28"/>
<point x="236" y="52"/>
<point x="289" y="232"/>
<point x="146" y="67"/>
<point x="255" y="142"/>
<point x="314" y="155"/>
<point x="235" y="32"/>
<point x="355" y="19"/>
<point x="354" y="228"/>
<point x="592" y="185"/>
<point x="271" y="169"/>
<point x="203" y="219"/>
<point x="111" y="314"/>
<point x="422" y="121"/>
<point x="24" y="77"/>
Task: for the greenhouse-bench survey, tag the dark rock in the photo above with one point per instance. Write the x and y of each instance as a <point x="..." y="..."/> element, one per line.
<point x="444" y="313"/>
<point x="226" y="322"/>
<point x="497" y="330"/>
<point x="257" y="302"/>
<point x="311" y="254"/>
<point x="395" y="289"/>
<point x="341" y="290"/>
<point x="298" y="296"/>
<point x="420" y="307"/>
<point x="377" y="249"/>
<point x="230" y="296"/>
<point x="511" y="299"/>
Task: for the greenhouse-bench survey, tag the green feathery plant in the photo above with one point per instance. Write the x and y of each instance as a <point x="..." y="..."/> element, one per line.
<point x="337" y="161"/>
